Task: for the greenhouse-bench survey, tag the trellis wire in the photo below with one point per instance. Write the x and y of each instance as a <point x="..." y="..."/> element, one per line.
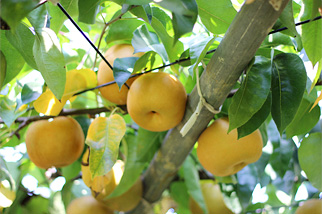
<point x="160" y="67"/>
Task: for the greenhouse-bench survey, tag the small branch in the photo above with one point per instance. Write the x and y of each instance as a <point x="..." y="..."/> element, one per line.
<point x="104" y="30"/>
<point x="25" y="121"/>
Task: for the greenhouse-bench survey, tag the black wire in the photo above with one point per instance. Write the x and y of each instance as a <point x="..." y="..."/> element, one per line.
<point x="160" y="67"/>
<point x="297" y="24"/>
<point x="80" y="30"/>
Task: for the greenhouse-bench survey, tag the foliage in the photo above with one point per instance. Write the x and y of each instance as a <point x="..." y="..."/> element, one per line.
<point x="48" y="68"/>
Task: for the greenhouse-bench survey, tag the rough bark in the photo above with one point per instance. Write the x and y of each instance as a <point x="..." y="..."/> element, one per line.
<point x="239" y="45"/>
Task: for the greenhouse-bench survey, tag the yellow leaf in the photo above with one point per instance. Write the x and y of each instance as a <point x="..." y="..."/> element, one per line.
<point x="48" y="104"/>
<point x="104" y="136"/>
<point x="7" y="196"/>
<point x="317" y="101"/>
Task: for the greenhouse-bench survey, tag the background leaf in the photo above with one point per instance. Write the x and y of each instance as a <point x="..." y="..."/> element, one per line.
<point x="252" y="94"/>
<point x="192" y="181"/>
<point x="50" y="61"/>
<point x="310" y="158"/>
<point x="305" y="118"/>
<point x="3" y="69"/>
<point x="311" y="34"/>
<point x="103" y="137"/>
<point x="216" y="15"/>
<point x="288" y="86"/>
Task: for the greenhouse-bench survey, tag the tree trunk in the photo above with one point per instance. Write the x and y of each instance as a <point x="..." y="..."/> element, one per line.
<point x="239" y="45"/>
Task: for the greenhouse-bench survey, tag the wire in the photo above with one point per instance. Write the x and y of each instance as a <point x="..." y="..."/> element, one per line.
<point x="80" y="30"/>
<point x="160" y="67"/>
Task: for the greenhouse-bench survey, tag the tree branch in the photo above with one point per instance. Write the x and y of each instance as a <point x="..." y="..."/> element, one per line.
<point x="25" y="121"/>
<point x="244" y="36"/>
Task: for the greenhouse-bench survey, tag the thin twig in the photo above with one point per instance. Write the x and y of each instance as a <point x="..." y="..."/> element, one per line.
<point x="104" y="30"/>
<point x="84" y="35"/>
<point x="25" y="121"/>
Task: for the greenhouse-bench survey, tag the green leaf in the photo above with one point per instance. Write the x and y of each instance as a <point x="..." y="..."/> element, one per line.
<point x="311" y="34"/>
<point x="87" y="10"/>
<point x="14" y="11"/>
<point x="287" y="19"/>
<point x="252" y="94"/>
<point x="132" y="2"/>
<point x="132" y="169"/>
<point x="216" y="15"/>
<point x="191" y="178"/>
<point x="144" y="41"/>
<point x="276" y="39"/>
<point x="14" y="60"/>
<point x="147" y="61"/>
<point x="288" y="86"/>
<point x="310" y="158"/>
<point x="198" y="51"/>
<point x="39" y="17"/>
<point x="184" y="14"/>
<point x="148" y="143"/>
<point x="305" y="118"/>
<point x="50" y="61"/>
<point x="160" y="22"/>
<point x="23" y="40"/>
<point x="122" y="69"/>
<point x="256" y="120"/>
<point x="58" y="17"/>
<point x="179" y="193"/>
<point x="122" y="29"/>
<point x="103" y="137"/>
<point x="7" y="111"/>
<point x="28" y="95"/>
<point x="3" y="69"/>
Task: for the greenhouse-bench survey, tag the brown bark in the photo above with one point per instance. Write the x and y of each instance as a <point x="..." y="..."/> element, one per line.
<point x="244" y="36"/>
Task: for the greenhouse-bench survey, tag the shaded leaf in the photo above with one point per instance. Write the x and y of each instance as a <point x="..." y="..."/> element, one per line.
<point x="252" y="94"/>
<point x="3" y="69"/>
<point x="103" y="137"/>
<point x="14" y="11"/>
<point x="87" y="10"/>
<point x="28" y="95"/>
<point x="310" y="158"/>
<point x="50" y="61"/>
<point x="288" y="86"/>
<point x="184" y="14"/>
<point x="122" y="69"/>
<point x="23" y="40"/>
<point x="216" y="15"/>
<point x="317" y="75"/>
<point x="14" y="60"/>
<point x="256" y="120"/>
<point x="147" y="61"/>
<point x="191" y="178"/>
